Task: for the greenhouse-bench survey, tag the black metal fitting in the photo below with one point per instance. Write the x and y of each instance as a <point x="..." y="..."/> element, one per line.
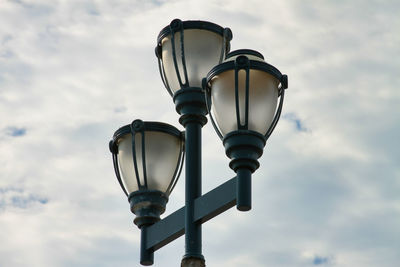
<point x="242" y="62"/>
<point x="175" y="25"/>
<point x="228" y="34"/>
<point x="284" y="81"/>
<point x="113" y="147"/>
<point x="204" y="84"/>
<point x="244" y="148"/>
<point x="190" y="103"/>
<point x="147" y="205"/>
<point x="158" y="51"/>
<point x="137" y="126"/>
<point x="245" y="52"/>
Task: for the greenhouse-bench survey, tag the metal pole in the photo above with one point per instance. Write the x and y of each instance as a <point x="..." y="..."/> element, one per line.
<point x="243" y="189"/>
<point x="193" y="255"/>
<point x="190" y="103"/>
<point x="146" y="255"/>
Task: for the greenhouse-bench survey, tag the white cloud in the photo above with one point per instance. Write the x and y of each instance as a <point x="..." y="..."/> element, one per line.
<point x="72" y="72"/>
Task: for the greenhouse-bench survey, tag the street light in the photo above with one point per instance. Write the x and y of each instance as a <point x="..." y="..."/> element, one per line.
<point x="240" y="91"/>
<point x="147" y="159"/>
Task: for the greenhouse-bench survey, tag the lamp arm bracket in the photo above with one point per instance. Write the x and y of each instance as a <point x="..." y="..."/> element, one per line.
<point x="206" y="207"/>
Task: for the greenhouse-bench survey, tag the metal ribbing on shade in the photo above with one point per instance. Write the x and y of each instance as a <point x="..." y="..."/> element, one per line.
<point x="187" y="50"/>
<point x="243" y="93"/>
<point x="145" y="152"/>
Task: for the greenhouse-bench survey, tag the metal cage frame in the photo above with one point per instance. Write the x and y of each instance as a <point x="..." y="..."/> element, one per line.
<point x="139" y="126"/>
<point x="179" y="26"/>
<point x="242" y="62"/>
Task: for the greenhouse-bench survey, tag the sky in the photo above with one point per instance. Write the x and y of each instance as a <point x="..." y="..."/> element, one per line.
<point x="327" y="192"/>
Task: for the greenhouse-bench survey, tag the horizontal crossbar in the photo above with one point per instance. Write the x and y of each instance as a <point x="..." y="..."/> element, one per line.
<point x="206" y="207"/>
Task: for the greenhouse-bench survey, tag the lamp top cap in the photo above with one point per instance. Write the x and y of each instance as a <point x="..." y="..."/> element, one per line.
<point x="246" y="59"/>
<point x="177" y="24"/>
<point x="139" y="126"/>
<point x="244" y="52"/>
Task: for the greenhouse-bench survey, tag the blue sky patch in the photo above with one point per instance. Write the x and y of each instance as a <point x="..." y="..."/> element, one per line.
<point x="320" y="260"/>
<point x="17" y="198"/>
<point x="296" y="121"/>
<point x="15" y="131"/>
<point x="23" y="202"/>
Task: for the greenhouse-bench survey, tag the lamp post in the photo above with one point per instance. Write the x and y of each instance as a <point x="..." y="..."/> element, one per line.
<point x="243" y="96"/>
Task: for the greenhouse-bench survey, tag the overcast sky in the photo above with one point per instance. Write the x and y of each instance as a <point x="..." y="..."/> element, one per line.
<point x="328" y="189"/>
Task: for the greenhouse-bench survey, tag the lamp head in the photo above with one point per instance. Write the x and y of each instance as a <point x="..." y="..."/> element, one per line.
<point x="147" y="159"/>
<point x="187" y="50"/>
<point x="242" y="99"/>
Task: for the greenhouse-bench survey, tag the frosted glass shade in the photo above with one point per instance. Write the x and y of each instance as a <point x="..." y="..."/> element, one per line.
<point x="202" y="52"/>
<point x="263" y="98"/>
<point x="162" y="158"/>
<point x="263" y="95"/>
